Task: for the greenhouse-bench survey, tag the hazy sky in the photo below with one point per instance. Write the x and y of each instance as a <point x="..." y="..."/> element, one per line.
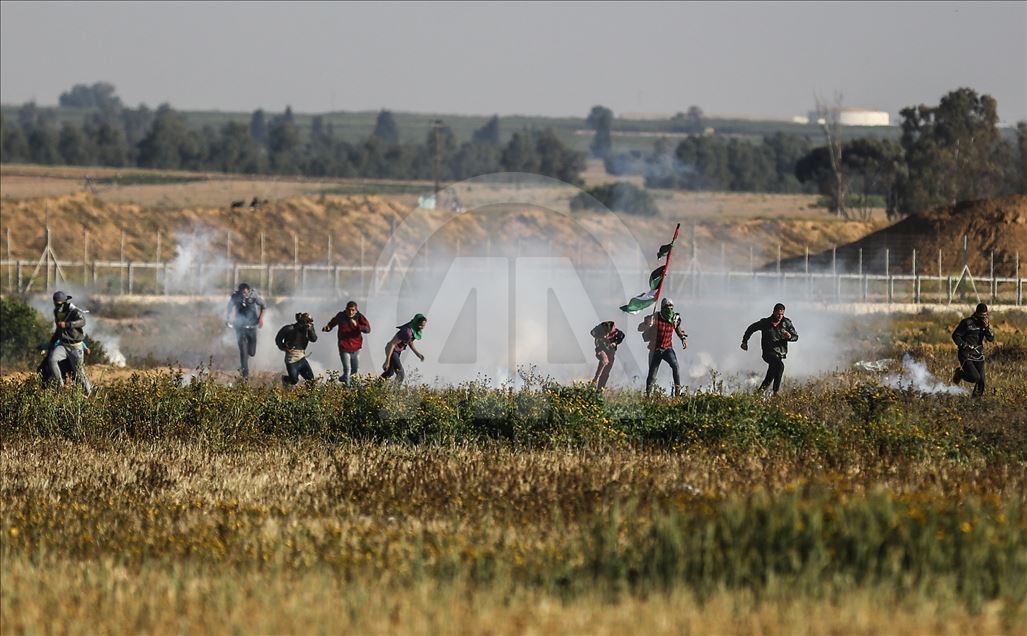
<point x="529" y="58"/>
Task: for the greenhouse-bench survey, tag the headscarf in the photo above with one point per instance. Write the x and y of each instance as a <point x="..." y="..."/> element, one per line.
<point x="667" y="312"/>
<point x="412" y="323"/>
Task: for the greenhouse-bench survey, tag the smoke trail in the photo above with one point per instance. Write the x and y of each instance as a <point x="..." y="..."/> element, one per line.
<point x="915" y="376"/>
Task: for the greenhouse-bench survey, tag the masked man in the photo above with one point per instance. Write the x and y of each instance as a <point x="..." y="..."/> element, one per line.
<point x="970" y="336"/>
<point x="66" y="343"/>
<point x="659" y="331"/>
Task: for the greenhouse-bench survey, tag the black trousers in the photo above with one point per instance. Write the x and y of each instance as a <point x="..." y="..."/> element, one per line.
<point x="973" y="371"/>
<point x="296" y="369"/>
<point x="395" y="368"/>
<point x="775" y="371"/>
<point x="247" y="339"/>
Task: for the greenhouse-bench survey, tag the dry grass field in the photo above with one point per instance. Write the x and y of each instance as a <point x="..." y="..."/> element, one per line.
<point x="164" y="504"/>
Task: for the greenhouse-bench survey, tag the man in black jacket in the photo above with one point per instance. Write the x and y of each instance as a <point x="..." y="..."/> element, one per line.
<point x="293" y="340"/>
<point x="66" y="341"/>
<point x="970" y="336"/>
<point x="776" y="332"/>
<point x="248" y="308"/>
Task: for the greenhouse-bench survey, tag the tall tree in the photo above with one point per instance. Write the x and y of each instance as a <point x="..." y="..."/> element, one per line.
<point x="601" y="120"/>
<point x="74" y="146"/>
<point x="874" y="164"/>
<point x="236" y="151"/>
<point x="489" y="133"/>
<point x="829" y="119"/>
<point x="100" y="96"/>
<point x="283" y="146"/>
<point x="597" y="114"/>
<point x="169" y="143"/>
<point x="953" y="151"/>
<point x="13" y="146"/>
<point x="385" y="128"/>
<point x="519" y="155"/>
<point x="43" y="144"/>
<point x="557" y="160"/>
<point x="695" y="120"/>
<point x="258" y="126"/>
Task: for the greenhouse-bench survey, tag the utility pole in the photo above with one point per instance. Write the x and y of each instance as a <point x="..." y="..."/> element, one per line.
<point x="436" y="128"/>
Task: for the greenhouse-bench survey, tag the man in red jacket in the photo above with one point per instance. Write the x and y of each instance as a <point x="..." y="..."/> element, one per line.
<point x="352" y="325"/>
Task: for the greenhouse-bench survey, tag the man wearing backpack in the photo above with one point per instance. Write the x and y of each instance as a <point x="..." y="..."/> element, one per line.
<point x="607" y="338"/>
<point x="293" y="340"/>
<point x="659" y="332"/>
<point x="67" y="342"/>
<point x="248" y="309"/>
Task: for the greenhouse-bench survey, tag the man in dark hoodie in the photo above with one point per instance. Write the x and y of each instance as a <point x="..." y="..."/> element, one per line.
<point x="66" y="343"/>
<point x="352" y="325"/>
<point x="776" y="332"/>
<point x="970" y="336"/>
<point x="293" y="340"/>
<point x="248" y="308"/>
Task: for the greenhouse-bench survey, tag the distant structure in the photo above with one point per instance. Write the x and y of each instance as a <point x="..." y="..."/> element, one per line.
<point x="645" y="116"/>
<point x="851" y="117"/>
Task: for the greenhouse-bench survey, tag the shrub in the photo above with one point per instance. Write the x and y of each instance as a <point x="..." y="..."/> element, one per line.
<point x="22" y="330"/>
<point x="619" y="197"/>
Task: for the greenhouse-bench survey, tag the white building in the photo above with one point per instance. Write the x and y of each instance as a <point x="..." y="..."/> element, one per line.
<point x="855" y="117"/>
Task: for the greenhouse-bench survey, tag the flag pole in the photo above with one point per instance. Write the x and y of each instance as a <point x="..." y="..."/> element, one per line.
<point x="666" y="269"/>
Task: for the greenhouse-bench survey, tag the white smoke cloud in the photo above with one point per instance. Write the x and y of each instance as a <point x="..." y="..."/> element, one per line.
<point x="915" y="376"/>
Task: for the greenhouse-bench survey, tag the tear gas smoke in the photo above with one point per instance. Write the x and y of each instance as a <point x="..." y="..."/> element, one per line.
<point x="915" y="376"/>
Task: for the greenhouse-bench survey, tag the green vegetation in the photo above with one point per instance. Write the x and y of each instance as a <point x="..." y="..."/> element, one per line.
<point x="175" y="503"/>
<point x="24" y="329"/>
<point x="285" y="144"/>
<point x="619" y="197"/>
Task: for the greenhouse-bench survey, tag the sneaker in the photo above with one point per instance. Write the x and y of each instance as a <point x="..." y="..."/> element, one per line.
<point x="957" y="375"/>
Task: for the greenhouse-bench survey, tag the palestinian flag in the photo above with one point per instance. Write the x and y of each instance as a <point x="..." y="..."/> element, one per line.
<point x="657" y="277"/>
<point x="640" y="302"/>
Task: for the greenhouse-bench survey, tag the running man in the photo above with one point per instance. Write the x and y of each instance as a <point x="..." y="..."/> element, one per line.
<point x="67" y="341"/>
<point x="970" y="336"/>
<point x="775" y="334"/>
<point x="607" y="338"/>
<point x="404" y="338"/>
<point x="248" y="308"/>
<point x="293" y="340"/>
<point x="659" y="331"/>
<point x="352" y="325"/>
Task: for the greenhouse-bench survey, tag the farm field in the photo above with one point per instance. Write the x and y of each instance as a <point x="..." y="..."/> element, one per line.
<point x="170" y="502"/>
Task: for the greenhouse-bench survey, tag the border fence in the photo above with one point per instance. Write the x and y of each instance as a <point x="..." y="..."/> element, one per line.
<point x="794" y="278"/>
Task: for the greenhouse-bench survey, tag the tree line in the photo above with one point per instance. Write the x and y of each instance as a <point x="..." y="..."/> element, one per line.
<point x="117" y="136"/>
<point x="947" y="153"/>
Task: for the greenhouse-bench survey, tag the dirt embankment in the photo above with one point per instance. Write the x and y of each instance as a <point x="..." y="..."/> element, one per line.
<point x="367" y="221"/>
<point x="990" y="226"/>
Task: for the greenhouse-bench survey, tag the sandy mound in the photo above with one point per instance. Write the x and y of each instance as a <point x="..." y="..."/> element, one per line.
<point x="365" y="222"/>
<point x="990" y="225"/>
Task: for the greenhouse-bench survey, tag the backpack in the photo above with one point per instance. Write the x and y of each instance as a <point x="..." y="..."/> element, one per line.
<point x="648" y="328"/>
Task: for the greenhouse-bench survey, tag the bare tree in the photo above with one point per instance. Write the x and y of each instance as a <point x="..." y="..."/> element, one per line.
<point x="829" y="118"/>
